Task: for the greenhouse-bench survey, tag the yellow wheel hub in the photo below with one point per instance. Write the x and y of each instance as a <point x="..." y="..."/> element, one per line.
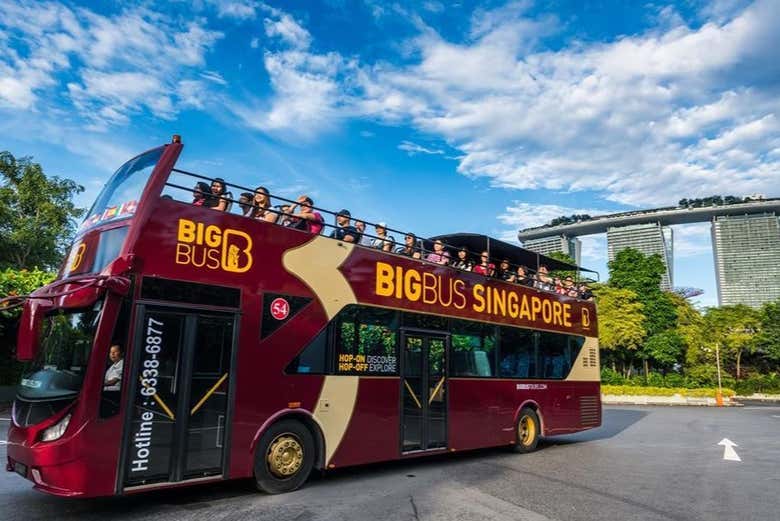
<point x="285" y="456"/>
<point x="527" y="430"/>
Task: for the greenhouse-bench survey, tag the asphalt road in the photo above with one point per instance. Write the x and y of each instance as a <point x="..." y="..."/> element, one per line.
<point x="648" y="463"/>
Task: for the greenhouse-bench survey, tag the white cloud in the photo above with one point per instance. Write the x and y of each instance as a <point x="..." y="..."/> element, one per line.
<point x="644" y="120"/>
<point x="236" y="9"/>
<point x="413" y="149"/>
<point x="288" y="30"/>
<point x="214" y="77"/>
<point x="112" y="67"/>
<point x="691" y="240"/>
<point x="527" y="215"/>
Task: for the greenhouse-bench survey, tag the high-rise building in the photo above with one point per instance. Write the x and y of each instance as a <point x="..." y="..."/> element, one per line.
<point x="650" y="238"/>
<point x="747" y="258"/>
<point x="571" y="246"/>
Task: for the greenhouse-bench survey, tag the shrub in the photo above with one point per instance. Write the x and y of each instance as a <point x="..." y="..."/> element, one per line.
<point x="631" y="390"/>
<point x="611" y="377"/>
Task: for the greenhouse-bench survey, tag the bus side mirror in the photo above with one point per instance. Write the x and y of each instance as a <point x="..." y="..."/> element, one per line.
<point x="28" y="340"/>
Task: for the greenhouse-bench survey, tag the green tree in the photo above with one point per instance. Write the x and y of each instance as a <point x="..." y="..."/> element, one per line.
<point x="642" y="274"/>
<point x="768" y="339"/>
<point x="36" y="214"/>
<point x="621" y="324"/>
<point x="13" y="283"/>
<point x="734" y="330"/>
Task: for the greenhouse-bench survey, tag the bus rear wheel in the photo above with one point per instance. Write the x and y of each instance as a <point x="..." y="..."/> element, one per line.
<point x="528" y="431"/>
<point x="284" y="457"/>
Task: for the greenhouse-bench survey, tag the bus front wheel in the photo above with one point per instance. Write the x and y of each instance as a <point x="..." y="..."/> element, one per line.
<point x="528" y="431"/>
<point x="284" y="457"/>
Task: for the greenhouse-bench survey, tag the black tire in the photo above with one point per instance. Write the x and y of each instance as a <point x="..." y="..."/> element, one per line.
<point x="528" y="431"/>
<point x="284" y="457"/>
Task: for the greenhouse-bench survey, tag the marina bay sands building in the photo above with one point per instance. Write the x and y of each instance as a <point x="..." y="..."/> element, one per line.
<point x="650" y="239"/>
<point x="747" y="258"/>
<point x="745" y="243"/>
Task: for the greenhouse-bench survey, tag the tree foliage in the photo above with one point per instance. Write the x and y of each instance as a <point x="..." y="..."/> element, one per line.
<point x="642" y="274"/>
<point x="621" y="322"/>
<point x="13" y="283"/>
<point x="768" y="338"/>
<point x="734" y="330"/>
<point x="36" y="214"/>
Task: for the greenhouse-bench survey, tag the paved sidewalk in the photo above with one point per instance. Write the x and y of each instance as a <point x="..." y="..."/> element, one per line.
<point x="633" y="399"/>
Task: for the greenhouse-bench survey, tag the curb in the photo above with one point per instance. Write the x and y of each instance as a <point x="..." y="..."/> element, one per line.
<point x="613" y="399"/>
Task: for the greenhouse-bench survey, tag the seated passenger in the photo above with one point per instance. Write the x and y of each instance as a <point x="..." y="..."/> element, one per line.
<point x="306" y="219"/>
<point x="363" y="240"/>
<point x="411" y="247"/>
<point x="245" y="203"/>
<point x="522" y="277"/>
<point x="504" y="272"/>
<point x="344" y="231"/>
<point x="485" y="267"/>
<point x="463" y="262"/>
<point x="383" y="241"/>
<point x="200" y="193"/>
<point x="439" y="254"/>
<point x="585" y="292"/>
<point x="262" y="206"/>
<point x="569" y="288"/>
<point x="219" y="199"/>
<point x="543" y="280"/>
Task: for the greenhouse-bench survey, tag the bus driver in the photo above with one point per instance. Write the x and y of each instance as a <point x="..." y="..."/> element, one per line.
<point x="113" y="378"/>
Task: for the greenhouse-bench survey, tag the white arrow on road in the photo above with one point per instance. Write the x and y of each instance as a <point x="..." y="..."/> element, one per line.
<point x="728" y="450"/>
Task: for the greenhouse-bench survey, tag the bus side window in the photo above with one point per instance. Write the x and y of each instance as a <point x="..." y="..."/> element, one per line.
<point x="312" y="360"/>
<point x="473" y="349"/>
<point x="366" y="341"/>
<point x="518" y="353"/>
<point x="110" y="396"/>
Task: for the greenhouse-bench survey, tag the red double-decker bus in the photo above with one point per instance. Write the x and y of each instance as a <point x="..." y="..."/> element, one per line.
<point x="180" y="344"/>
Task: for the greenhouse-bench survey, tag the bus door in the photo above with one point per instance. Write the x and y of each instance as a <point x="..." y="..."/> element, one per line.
<point x="179" y="412"/>
<point x="423" y="388"/>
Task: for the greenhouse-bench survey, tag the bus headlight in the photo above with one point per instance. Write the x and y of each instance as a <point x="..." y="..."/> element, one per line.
<point x="56" y="431"/>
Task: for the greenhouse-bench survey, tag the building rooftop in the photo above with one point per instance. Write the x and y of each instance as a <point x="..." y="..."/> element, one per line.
<point x="664" y="216"/>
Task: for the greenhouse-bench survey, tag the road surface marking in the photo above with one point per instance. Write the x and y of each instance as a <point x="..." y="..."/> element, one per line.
<point x="729" y="453"/>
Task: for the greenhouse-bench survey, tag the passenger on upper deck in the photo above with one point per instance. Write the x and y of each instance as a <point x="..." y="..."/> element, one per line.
<point x="439" y="255"/>
<point x="363" y="240"/>
<point x="383" y="241"/>
<point x="543" y="279"/>
<point x="485" y="267"/>
<point x="522" y="277"/>
<point x="245" y="203"/>
<point x="463" y="262"/>
<point x="504" y="272"/>
<point x="410" y="248"/>
<point x="306" y="219"/>
<point x="200" y="193"/>
<point x="343" y="230"/>
<point x="219" y="197"/>
<point x="262" y="206"/>
<point x="569" y="288"/>
<point x="584" y="292"/>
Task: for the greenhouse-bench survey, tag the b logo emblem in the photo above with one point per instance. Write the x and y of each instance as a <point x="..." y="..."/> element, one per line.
<point x="585" y="319"/>
<point x="77" y="256"/>
<point x="280" y="308"/>
<point x="212" y="247"/>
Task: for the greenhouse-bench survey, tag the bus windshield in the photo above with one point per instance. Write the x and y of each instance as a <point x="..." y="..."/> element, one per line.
<point x="58" y="369"/>
<point x="120" y="196"/>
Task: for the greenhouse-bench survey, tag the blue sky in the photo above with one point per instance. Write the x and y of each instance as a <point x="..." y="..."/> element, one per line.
<point x="434" y="116"/>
